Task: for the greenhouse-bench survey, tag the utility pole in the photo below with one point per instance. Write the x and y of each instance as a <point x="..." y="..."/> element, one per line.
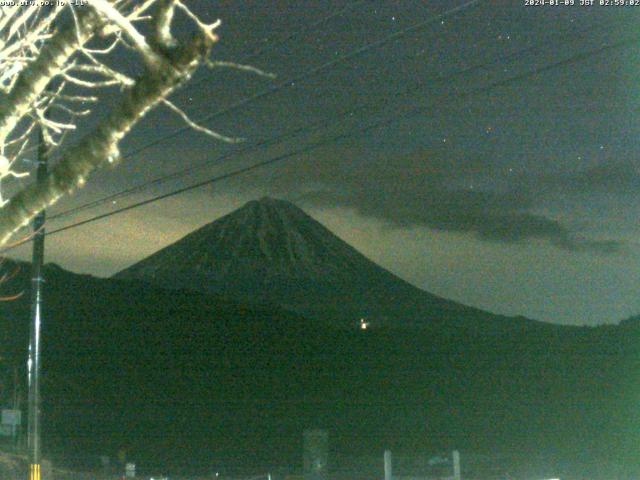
<point x="17" y="405"/>
<point x="388" y="465"/>
<point x="33" y="364"/>
<point x="456" y="465"/>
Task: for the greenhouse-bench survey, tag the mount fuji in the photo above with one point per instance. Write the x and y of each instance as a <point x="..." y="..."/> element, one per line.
<point x="270" y="251"/>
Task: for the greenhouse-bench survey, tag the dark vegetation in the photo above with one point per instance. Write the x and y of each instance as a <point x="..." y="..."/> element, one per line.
<point x="179" y="378"/>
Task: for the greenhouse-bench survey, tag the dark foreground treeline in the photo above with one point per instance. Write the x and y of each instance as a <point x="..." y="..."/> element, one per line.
<point x="183" y="381"/>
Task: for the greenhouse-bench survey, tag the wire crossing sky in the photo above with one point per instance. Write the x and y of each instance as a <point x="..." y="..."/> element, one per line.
<point x="359" y="110"/>
<point x="316" y="145"/>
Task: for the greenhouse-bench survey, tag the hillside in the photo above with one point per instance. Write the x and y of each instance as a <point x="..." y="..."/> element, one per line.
<point x="189" y="382"/>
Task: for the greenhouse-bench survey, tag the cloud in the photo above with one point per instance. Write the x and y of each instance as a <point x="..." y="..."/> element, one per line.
<point x="490" y="216"/>
<point x="430" y="189"/>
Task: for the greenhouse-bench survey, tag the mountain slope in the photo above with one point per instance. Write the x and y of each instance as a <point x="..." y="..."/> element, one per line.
<point x="271" y="251"/>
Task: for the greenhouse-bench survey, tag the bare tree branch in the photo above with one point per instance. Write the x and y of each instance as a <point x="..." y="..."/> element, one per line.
<point x="60" y="69"/>
<point x="33" y="80"/>
<point x="108" y="11"/>
<point x="200" y="128"/>
<point x="101" y="146"/>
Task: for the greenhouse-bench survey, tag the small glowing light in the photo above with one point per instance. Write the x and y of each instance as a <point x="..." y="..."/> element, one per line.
<point x="363" y="324"/>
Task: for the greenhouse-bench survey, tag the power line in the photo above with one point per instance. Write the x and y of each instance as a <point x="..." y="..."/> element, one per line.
<point x="313" y="146"/>
<point x="286" y="84"/>
<point x="272" y="46"/>
<point x="325" y="66"/>
<point x="316" y="126"/>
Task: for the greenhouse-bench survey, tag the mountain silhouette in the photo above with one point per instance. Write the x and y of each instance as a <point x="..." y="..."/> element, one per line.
<point x="271" y="251"/>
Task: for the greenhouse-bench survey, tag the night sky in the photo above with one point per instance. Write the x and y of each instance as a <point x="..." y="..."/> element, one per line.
<point x="520" y="197"/>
